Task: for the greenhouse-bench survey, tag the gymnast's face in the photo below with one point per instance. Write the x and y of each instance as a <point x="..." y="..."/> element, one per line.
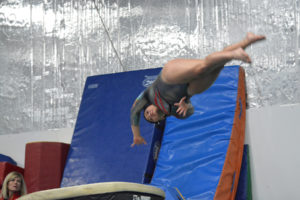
<point x="152" y="114"/>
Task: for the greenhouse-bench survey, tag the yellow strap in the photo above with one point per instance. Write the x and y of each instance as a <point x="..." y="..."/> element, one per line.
<point x="179" y="193"/>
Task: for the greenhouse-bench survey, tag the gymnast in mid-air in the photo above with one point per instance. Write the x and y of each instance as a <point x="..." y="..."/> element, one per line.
<point x="179" y="80"/>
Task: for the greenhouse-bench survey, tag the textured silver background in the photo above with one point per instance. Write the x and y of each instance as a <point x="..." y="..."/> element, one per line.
<point x="49" y="47"/>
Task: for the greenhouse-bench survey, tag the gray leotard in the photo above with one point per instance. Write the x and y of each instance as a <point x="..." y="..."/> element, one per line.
<point x="162" y="95"/>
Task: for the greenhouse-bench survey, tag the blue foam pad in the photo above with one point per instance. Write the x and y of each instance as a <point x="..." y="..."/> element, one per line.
<point x="4" y="158"/>
<point x="243" y="187"/>
<point x="193" y="150"/>
<point x="100" y="149"/>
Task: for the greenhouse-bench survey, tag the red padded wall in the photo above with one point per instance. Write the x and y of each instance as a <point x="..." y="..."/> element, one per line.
<point x="6" y="168"/>
<point x="44" y="165"/>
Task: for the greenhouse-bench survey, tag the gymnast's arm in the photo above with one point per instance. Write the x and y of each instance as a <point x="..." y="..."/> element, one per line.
<point x="136" y="109"/>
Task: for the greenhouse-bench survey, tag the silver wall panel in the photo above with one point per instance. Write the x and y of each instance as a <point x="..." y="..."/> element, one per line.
<point x="49" y="47"/>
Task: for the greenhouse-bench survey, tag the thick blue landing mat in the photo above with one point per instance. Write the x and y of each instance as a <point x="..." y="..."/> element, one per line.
<point x="100" y="149"/>
<point x="193" y="150"/>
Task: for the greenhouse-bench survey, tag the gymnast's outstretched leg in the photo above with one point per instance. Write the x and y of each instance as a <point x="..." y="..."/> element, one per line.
<point x="201" y="73"/>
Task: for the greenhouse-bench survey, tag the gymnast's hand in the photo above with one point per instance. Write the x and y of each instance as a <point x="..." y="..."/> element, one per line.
<point x="137" y="140"/>
<point x="182" y="107"/>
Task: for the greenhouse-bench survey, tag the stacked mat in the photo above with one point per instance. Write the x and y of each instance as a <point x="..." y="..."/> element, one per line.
<point x="201" y="156"/>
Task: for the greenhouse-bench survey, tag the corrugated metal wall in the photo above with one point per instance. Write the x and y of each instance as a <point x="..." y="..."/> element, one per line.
<point x="49" y="47"/>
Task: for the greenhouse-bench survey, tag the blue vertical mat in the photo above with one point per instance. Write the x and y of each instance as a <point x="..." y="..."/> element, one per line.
<point x="100" y="149"/>
<point x="193" y="150"/>
<point x="243" y="187"/>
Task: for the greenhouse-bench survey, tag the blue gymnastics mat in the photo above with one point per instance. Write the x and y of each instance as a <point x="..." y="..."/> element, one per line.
<point x="201" y="156"/>
<point x="100" y="149"/>
<point x="244" y="190"/>
<point x="5" y="158"/>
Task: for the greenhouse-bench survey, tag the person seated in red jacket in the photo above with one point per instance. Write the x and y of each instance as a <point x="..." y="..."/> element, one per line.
<point x="13" y="186"/>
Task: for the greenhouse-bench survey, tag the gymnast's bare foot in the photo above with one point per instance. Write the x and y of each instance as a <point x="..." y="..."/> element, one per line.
<point x="252" y="38"/>
<point x="240" y="54"/>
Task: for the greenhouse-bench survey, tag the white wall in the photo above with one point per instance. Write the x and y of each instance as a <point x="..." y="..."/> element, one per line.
<point x="273" y="135"/>
<point x="13" y="145"/>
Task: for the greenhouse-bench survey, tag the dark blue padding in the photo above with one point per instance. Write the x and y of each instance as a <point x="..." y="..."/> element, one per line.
<point x="242" y="190"/>
<point x="4" y="158"/>
<point x="100" y="149"/>
<point x="193" y="150"/>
